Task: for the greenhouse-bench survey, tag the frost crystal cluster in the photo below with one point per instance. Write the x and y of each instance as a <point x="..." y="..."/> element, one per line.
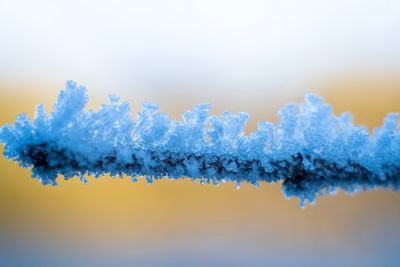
<point x="311" y="150"/>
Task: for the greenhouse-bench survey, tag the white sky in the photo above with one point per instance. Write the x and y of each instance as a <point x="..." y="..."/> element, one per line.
<point x="195" y="44"/>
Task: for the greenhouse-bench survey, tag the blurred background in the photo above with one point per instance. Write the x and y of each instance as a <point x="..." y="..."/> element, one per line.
<point x="251" y="56"/>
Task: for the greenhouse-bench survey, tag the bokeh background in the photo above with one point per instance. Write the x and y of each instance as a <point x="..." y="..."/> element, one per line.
<point x="251" y="56"/>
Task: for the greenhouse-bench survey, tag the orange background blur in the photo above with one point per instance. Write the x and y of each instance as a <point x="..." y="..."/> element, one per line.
<point x="174" y="223"/>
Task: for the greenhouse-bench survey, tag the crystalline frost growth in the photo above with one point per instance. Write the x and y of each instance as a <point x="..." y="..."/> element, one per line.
<point x="311" y="151"/>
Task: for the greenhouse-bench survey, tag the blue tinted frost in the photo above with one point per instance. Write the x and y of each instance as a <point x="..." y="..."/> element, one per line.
<point x="311" y="150"/>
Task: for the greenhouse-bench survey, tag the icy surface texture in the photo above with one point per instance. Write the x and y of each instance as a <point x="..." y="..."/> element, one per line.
<point x="311" y="150"/>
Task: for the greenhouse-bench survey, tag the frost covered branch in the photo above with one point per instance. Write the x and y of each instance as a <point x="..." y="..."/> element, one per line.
<point x="311" y="151"/>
